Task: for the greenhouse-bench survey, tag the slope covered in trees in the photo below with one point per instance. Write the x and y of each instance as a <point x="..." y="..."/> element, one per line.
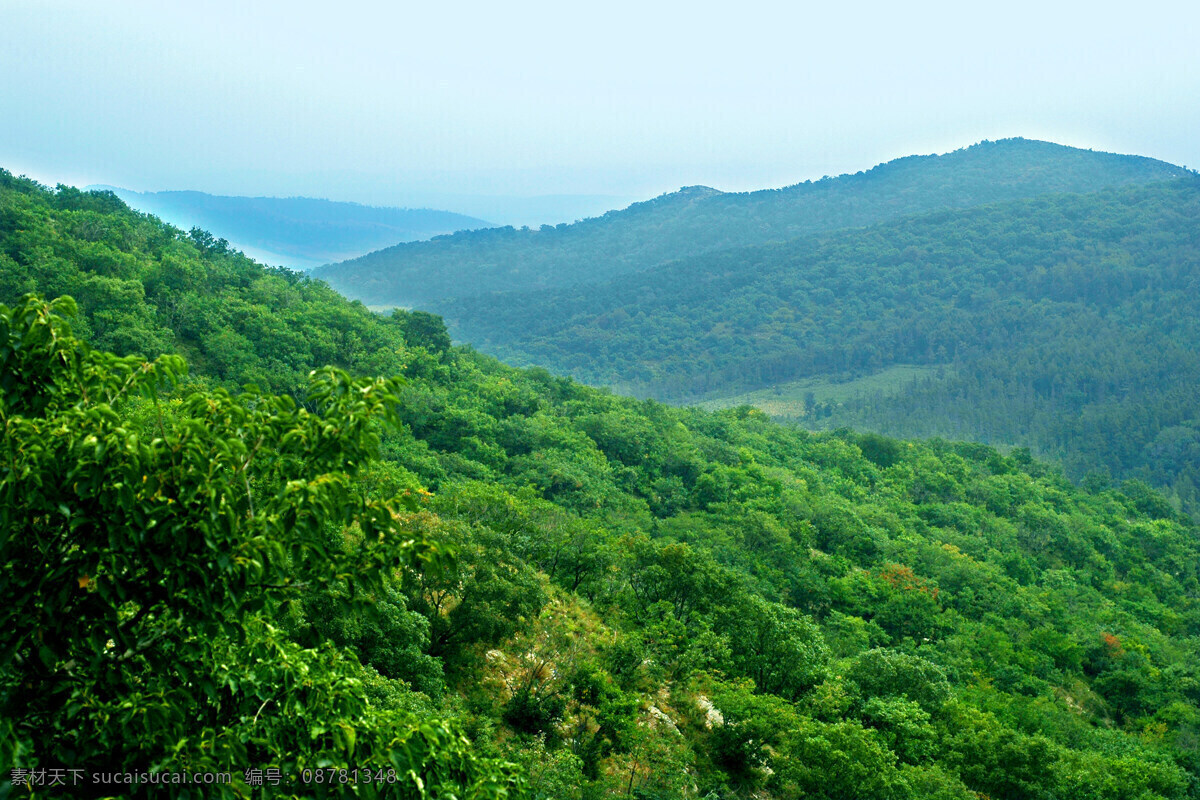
<point x="298" y="232"/>
<point x="148" y="620"/>
<point x="607" y="597"/>
<point x="1066" y="323"/>
<point x="698" y="220"/>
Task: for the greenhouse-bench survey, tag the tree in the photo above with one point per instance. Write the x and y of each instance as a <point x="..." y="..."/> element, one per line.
<point x="777" y="647"/>
<point x="891" y="673"/>
<point x="751" y="729"/>
<point x="149" y="545"/>
<point x="482" y="596"/>
<point x="840" y="761"/>
<point x="422" y="329"/>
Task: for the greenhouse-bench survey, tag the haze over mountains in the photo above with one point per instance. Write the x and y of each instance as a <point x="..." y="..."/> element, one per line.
<point x="520" y="210"/>
<point x="296" y="232"/>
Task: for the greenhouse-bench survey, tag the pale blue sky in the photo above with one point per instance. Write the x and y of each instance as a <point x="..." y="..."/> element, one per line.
<point x="386" y="102"/>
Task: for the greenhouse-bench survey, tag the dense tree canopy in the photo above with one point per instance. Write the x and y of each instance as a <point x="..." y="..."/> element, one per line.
<point x="522" y="570"/>
<point x="152" y="551"/>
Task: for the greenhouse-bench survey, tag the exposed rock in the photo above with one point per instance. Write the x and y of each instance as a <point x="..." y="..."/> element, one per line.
<point x="658" y="714"/>
<point x="712" y="716"/>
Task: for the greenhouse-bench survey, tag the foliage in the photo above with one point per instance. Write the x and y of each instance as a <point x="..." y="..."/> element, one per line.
<point x="143" y="567"/>
<point x="643" y="600"/>
<point x="1066" y="323"/>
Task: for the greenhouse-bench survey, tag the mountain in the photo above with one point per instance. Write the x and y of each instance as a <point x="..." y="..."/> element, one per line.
<point x="297" y="232"/>
<point x="503" y="583"/>
<point x="1066" y="323"/>
<point x="697" y="220"/>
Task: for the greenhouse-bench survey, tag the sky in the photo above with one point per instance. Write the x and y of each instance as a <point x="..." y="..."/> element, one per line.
<point x="394" y="103"/>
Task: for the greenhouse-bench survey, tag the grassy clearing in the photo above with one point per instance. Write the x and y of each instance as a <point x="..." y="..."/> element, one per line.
<point x="800" y="399"/>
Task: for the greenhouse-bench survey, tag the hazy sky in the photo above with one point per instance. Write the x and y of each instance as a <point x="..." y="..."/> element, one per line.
<point x="383" y="102"/>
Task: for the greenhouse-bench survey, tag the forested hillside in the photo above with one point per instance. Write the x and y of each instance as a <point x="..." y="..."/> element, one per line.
<point x="298" y="232"/>
<point x="699" y="220"/>
<point x="1066" y="323"/>
<point x="509" y="584"/>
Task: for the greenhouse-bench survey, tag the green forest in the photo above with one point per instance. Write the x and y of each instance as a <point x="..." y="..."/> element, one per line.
<point x="1049" y="292"/>
<point x="698" y="219"/>
<point x="1067" y="323"/>
<point x="247" y="523"/>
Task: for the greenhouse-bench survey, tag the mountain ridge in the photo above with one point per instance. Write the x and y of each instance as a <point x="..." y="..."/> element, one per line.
<point x="298" y="232"/>
<point x="685" y="223"/>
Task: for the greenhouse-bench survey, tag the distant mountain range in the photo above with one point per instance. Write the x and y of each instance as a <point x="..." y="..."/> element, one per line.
<point x="1014" y="292"/>
<point x="699" y="219"/>
<point x="297" y="232"/>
